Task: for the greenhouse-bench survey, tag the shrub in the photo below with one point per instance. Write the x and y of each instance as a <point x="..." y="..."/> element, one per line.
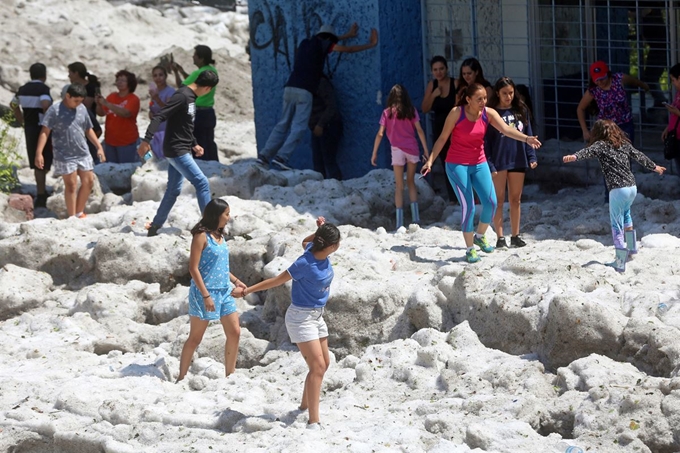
<point x="9" y="157"/>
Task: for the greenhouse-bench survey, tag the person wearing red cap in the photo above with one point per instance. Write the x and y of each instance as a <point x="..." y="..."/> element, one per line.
<point x="609" y="93"/>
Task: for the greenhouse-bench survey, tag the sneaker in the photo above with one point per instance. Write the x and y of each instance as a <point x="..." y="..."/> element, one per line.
<point x="517" y="241"/>
<point x="314" y="426"/>
<point x="501" y="244"/>
<point x="281" y="164"/>
<point x="262" y="161"/>
<point x="483" y="244"/>
<point x="152" y="230"/>
<point x="471" y="256"/>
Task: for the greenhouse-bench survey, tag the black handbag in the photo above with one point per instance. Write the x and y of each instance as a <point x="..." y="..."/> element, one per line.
<point x="671" y="145"/>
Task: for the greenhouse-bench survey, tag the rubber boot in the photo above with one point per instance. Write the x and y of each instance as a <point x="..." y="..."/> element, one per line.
<point x="415" y="214"/>
<point x="631" y="242"/>
<point x="619" y="263"/>
<point x="400" y="218"/>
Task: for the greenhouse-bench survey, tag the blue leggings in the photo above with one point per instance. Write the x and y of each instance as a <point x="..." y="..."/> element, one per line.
<point x="464" y="178"/>
<point x="620" y="201"/>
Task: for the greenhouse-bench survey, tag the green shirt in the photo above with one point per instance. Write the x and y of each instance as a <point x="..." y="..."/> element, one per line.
<point x="207" y="100"/>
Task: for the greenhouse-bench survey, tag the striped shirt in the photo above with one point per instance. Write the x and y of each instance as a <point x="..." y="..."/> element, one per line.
<point x="30" y="97"/>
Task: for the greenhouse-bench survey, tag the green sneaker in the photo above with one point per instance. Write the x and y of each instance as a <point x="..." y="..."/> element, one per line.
<point x="483" y="244"/>
<point x="471" y="256"/>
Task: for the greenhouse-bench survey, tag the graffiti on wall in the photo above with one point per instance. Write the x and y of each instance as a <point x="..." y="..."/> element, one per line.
<point x="272" y="27"/>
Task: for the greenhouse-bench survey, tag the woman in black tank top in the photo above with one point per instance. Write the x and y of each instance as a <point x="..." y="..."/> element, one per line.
<point x="440" y="99"/>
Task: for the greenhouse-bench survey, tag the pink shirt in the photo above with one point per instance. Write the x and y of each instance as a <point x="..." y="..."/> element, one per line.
<point x="467" y="140"/>
<point x="400" y="133"/>
<point x="673" y="120"/>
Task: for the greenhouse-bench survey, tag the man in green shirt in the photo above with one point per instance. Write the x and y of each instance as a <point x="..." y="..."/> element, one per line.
<point x="205" y="122"/>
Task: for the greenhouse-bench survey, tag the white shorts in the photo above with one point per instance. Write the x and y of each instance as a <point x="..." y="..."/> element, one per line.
<point x="400" y="157"/>
<point x="305" y="324"/>
<point x="66" y="167"/>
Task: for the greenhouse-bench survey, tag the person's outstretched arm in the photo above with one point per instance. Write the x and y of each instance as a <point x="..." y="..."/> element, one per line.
<point x="586" y="153"/>
<point x="351" y="33"/>
<point x="279" y="280"/>
<point x="643" y="160"/>
<point x="496" y="121"/>
<point x="358" y="48"/>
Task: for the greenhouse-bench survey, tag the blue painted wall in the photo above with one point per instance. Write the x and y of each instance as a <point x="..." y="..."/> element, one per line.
<point x="362" y="80"/>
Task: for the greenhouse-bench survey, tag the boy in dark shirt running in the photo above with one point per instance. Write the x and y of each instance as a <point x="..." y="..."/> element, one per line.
<point x="179" y="112"/>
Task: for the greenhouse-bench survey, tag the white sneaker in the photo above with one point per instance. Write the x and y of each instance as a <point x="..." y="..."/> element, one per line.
<point x="315" y="426"/>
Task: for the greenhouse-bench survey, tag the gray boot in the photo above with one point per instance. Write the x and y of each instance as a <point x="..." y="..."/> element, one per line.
<point x="631" y="242"/>
<point x="415" y="214"/>
<point x="619" y="263"/>
<point x="400" y="218"/>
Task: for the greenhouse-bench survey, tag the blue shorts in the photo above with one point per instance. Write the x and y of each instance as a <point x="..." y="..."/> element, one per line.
<point x="224" y="304"/>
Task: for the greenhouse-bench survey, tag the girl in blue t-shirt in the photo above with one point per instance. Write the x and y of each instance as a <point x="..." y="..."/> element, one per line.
<point x="213" y="286"/>
<point x="401" y="122"/>
<point x="312" y="275"/>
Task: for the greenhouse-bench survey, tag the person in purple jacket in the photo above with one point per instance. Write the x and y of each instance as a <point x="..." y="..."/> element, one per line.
<point x="509" y="159"/>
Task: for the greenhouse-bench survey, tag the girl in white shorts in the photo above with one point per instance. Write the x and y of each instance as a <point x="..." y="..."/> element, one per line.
<point x="312" y="275"/>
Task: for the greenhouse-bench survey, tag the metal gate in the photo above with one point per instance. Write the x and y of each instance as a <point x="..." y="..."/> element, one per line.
<point x="549" y="44"/>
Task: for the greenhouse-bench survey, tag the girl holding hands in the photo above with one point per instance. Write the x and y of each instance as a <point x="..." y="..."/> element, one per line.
<point x="212" y="286"/>
<point x="312" y="274"/>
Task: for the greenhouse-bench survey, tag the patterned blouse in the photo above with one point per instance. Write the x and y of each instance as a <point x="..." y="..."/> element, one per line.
<point x="616" y="162"/>
<point x="613" y="103"/>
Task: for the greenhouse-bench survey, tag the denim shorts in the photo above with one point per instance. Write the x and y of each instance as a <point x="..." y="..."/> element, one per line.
<point x="224" y="304"/>
<point x="305" y="324"/>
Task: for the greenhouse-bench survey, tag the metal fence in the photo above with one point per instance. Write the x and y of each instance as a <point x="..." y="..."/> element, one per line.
<point x="549" y="44"/>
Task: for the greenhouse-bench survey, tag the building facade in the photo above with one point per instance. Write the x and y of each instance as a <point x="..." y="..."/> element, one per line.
<point x="546" y="45"/>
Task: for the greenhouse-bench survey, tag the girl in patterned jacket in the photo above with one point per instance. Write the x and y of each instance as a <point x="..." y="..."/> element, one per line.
<point x="613" y="149"/>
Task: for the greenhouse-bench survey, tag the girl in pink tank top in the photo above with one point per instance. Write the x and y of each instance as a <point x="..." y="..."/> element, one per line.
<point x="466" y="165"/>
<point x="467" y="141"/>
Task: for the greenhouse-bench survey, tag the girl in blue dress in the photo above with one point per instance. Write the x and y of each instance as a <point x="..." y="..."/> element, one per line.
<point x="312" y="275"/>
<point x="212" y="286"/>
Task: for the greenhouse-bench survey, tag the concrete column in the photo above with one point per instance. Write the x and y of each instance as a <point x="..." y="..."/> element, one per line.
<point x="362" y="80"/>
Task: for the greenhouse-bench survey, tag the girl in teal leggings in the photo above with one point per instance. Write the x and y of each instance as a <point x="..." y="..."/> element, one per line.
<point x="466" y="164"/>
